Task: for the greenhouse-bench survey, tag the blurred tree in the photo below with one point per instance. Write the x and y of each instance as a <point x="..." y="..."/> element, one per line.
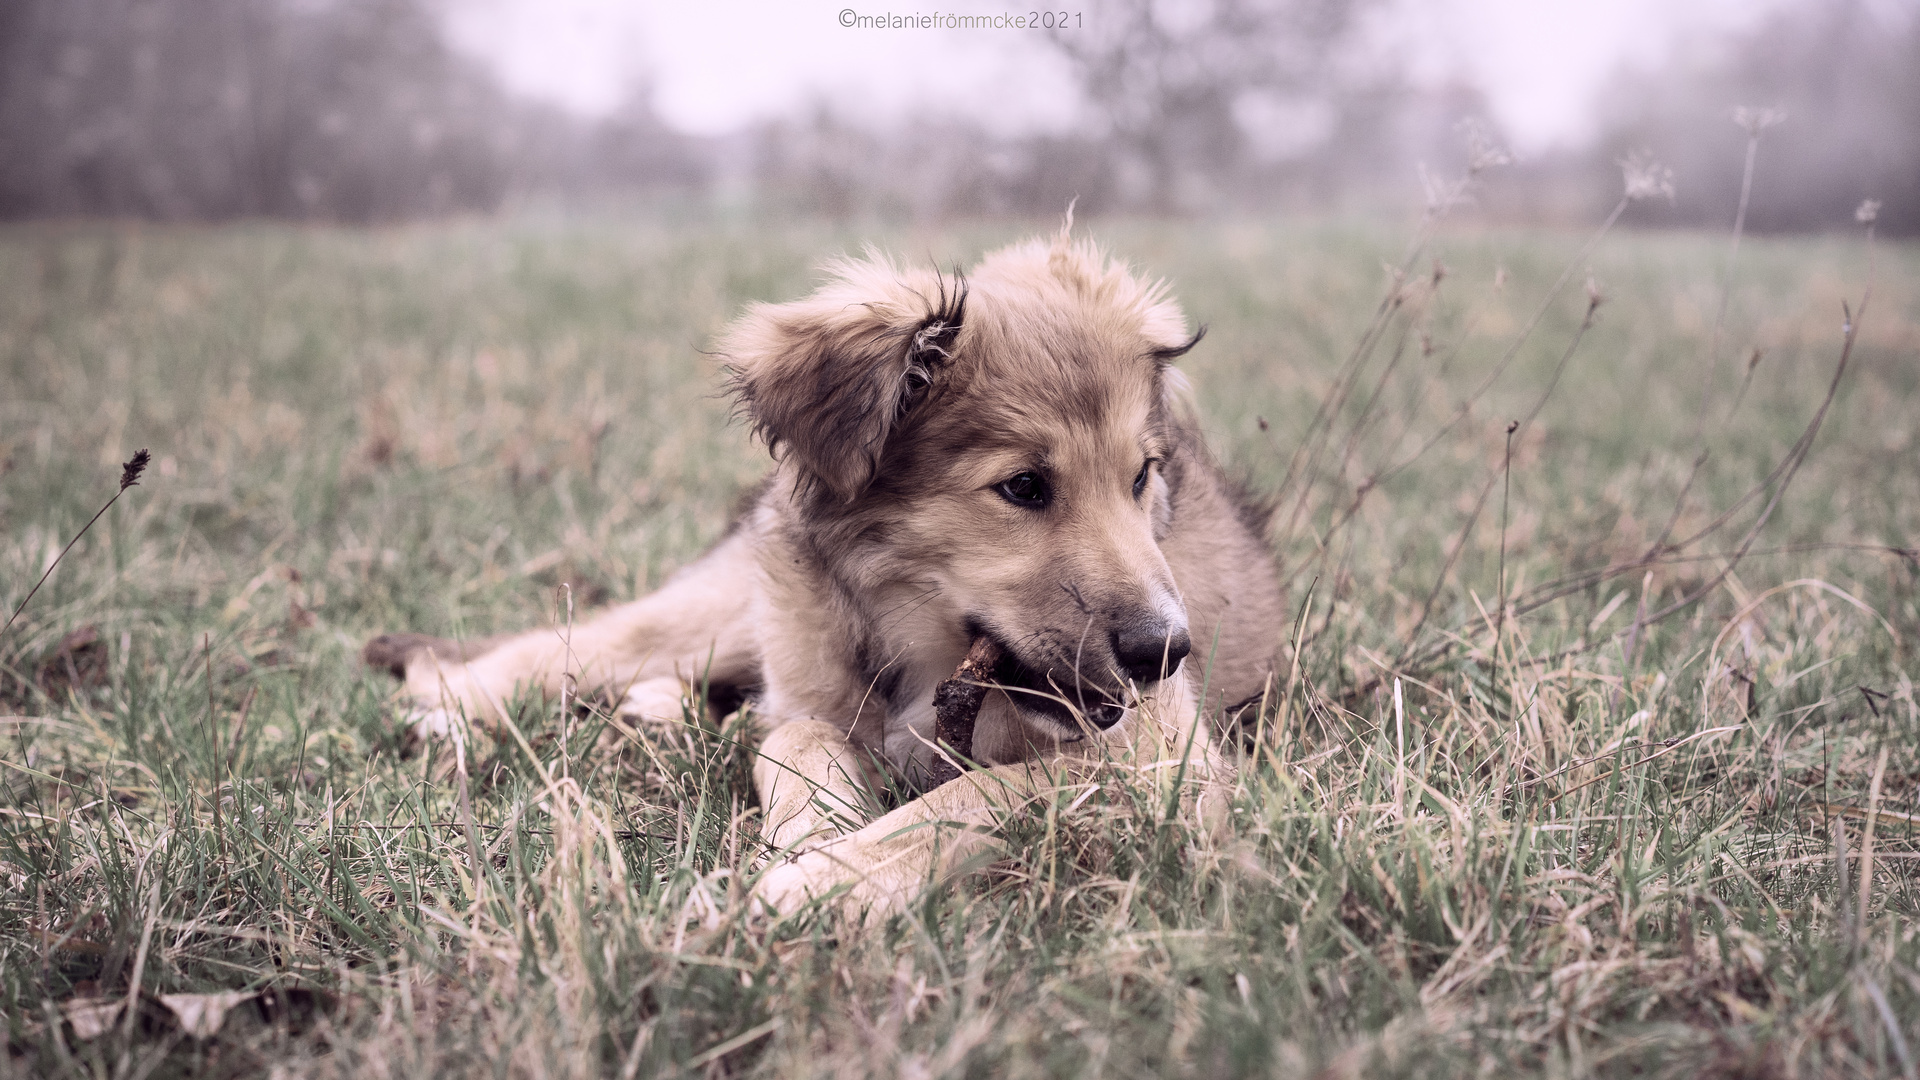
<point x="936" y="167"/>
<point x="349" y="110"/>
<point x="353" y="110"/>
<point x="822" y="164"/>
<point x="632" y="152"/>
<point x="1172" y="78"/>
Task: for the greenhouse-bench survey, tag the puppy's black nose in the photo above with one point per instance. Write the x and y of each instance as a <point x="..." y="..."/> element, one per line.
<point x="1150" y="649"/>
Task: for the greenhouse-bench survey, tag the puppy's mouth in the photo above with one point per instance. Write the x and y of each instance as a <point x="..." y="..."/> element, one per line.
<point x="1055" y="694"/>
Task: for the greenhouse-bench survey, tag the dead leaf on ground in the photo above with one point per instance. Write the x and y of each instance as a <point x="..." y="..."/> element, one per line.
<point x="92" y="1017"/>
<point x="200" y="1015"/>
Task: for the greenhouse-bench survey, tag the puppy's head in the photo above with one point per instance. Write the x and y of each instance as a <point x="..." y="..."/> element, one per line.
<point x="995" y="451"/>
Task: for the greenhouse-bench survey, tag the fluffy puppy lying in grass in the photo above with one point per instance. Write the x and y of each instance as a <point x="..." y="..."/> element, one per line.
<point x="999" y="467"/>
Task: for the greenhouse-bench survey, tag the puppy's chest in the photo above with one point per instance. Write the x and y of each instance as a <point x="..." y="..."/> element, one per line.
<point x="896" y="677"/>
<point x="866" y="664"/>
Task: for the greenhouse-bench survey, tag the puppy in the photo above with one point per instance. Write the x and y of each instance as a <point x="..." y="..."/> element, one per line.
<point x="1002" y="457"/>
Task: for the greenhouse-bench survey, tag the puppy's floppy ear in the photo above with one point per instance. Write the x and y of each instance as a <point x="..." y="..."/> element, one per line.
<point x="824" y="380"/>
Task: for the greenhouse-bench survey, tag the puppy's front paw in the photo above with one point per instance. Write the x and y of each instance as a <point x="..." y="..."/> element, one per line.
<point x="425" y="725"/>
<point x="865" y="885"/>
<point x="792" y="885"/>
<point x="825" y="875"/>
<point x="655" y="701"/>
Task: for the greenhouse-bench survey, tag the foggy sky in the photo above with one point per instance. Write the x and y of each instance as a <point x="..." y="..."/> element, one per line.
<point x="714" y="67"/>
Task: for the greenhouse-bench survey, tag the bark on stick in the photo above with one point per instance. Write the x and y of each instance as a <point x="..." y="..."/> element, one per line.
<point x="956" y="704"/>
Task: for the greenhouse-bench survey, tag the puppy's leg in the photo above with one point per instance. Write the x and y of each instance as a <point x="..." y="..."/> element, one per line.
<point x="696" y="627"/>
<point x="661" y="698"/>
<point x="812" y="782"/>
<point x="395" y="652"/>
<point x="882" y="866"/>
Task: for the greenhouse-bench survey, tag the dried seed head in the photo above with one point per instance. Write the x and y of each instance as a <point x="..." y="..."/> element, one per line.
<point x="130" y="472"/>
<point x="1645" y="177"/>
<point x="1483" y="148"/>
<point x="1756" y="120"/>
<point x="1867" y="212"/>
<point x="1398" y="281"/>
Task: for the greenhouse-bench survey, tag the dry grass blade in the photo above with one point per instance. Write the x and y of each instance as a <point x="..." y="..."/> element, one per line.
<point x="129" y="476"/>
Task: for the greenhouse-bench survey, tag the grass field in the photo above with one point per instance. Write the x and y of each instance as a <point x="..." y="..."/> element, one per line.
<point x="1654" y="820"/>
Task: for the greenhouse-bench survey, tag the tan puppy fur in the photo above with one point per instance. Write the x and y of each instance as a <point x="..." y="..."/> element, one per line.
<point x="1005" y="454"/>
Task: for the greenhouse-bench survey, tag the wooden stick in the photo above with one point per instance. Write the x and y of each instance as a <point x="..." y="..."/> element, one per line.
<point x="956" y="705"/>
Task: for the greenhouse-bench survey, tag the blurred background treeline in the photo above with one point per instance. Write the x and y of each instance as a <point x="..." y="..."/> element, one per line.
<point x="365" y="111"/>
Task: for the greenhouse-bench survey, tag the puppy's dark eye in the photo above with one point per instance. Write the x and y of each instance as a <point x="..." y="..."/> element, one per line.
<point x="1028" y="489"/>
<point x="916" y="380"/>
<point x="1140" y="481"/>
